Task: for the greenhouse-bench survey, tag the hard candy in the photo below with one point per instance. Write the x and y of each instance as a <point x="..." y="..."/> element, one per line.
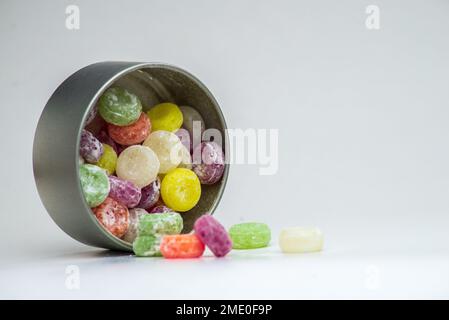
<point x="301" y="240"/>
<point x="90" y="148"/>
<point x="134" y="216"/>
<point x="150" y="194"/>
<point x="113" y="216"/>
<point x="181" y="189"/>
<point x="162" y="223"/>
<point x="182" y="246"/>
<point x="147" y="246"/>
<point x="104" y="138"/>
<point x="186" y="159"/>
<point x="250" y="235"/>
<point x="208" y="162"/>
<point x="213" y="235"/>
<point x="125" y="192"/>
<point x="131" y="134"/>
<point x="108" y="160"/>
<point x="165" y="116"/>
<point x="167" y="147"/>
<point x="94" y="183"/>
<point x="119" y="107"/>
<point x="161" y="209"/>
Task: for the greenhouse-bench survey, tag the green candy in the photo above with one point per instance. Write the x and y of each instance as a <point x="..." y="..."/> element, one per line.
<point x="160" y="223"/>
<point x="119" y="107"/>
<point x="94" y="183"/>
<point x="250" y="235"/>
<point x="147" y="246"/>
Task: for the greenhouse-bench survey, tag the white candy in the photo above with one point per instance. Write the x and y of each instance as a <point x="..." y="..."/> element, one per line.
<point x="138" y="164"/>
<point x="168" y="148"/>
<point x="186" y="159"/>
<point x="301" y="240"/>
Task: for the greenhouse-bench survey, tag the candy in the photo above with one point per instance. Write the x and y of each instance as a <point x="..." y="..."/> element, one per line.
<point x="90" y="148"/>
<point x="131" y="134"/>
<point x="134" y="216"/>
<point x="147" y="246"/>
<point x="80" y="160"/>
<point x="250" y="235"/>
<point x="150" y="194"/>
<point x="208" y="162"/>
<point x="94" y="183"/>
<point x="119" y="107"/>
<point x="181" y="189"/>
<point x="213" y="235"/>
<point x="167" y="147"/>
<point x="193" y="121"/>
<point x="182" y="246"/>
<point x="186" y="159"/>
<point x="162" y="223"/>
<point x="104" y="138"/>
<point x="301" y="240"/>
<point x="108" y="161"/>
<point x="138" y="164"/>
<point x="124" y="192"/>
<point x="184" y="137"/>
<point x="165" y="116"/>
<point x="161" y="209"/>
<point x="113" y="216"/>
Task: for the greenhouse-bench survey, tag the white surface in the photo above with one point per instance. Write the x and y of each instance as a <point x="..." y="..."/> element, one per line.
<point x="363" y="143"/>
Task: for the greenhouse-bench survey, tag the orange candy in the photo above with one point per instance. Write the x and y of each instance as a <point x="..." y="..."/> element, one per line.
<point x="132" y="134"/>
<point x="113" y="216"/>
<point x="182" y="246"/>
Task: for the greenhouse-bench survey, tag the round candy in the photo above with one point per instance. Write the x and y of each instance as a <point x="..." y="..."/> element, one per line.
<point x="124" y="192"/>
<point x="132" y="134"/>
<point x="208" y="162"/>
<point x="103" y="137"/>
<point x="213" y="235"/>
<point x="119" y="107"/>
<point x="108" y="160"/>
<point x="134" y="216"/>
<point x="113" y="216"/>
<point x="162" y="223"/>
<point x="94" y="183"/>
<point x="181" y="189"/>
<point x="161" y="209"/>
<point x="147" y="246"/>
<point x="184" y="136"/>
<point x="193" y="121"/>
<point x="90" y="148"/>
<point x="301" y="240"/>
<point x="250" y="235"/>
<point x="167" y="147"/>
<point x="150" y="194"/>
<point x="165" y="116"/>
<point x="138" y="164"/>
<point x="181" y="246"/>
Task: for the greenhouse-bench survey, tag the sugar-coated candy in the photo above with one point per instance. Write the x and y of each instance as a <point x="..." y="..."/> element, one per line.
<point x="131" y="134"/>
<point x="104" y="138"/>
<point x="113" y="216"/>
<point x="161" y="223"/>
<point x="208" y="162"/>
<point x="301" y="240"/>
<point x="90" y="148"/>
<point x="138" y="164"/>
<point x="165" y="116"/>
<point x="161" y="209"/>
<point x="250" y="235"/>
<point x="119" y="107"/>
<point x="134" y="216"/>
<point x="147" y="246"/>
<point x="192" y="120"/>
<point x="94" y="183"/>
<point x="181" y="189"/>
<point x="213" y="235"/>
<point x="167" y="147"/>
<point x="92" y="113"/>
<point x="150" y="194"/>
<point x="124" y="192"/>
<point x="181" y="246"/>
<point x="108" y="160"/>
<point x="186" y="159"/>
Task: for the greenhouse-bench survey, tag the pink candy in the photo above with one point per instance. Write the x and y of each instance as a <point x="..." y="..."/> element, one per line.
<point x="124" y="192"/>
<point x="213" y="235"/>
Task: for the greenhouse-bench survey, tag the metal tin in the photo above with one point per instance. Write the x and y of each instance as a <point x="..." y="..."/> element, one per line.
<point x="56" y="143"/>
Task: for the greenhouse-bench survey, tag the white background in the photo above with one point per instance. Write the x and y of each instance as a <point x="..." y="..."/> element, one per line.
<point x="363" y="150"/>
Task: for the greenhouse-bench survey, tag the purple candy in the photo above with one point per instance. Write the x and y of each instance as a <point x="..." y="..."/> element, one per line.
<point x="103" y="137"/>
<point x="161" y="209"/>
<point x="184" y="136"/>
<point x="124" y="192"/>
<point x="213" y="235"/>
<point x="91" y="148"/>
<point x="208" y="162"/>
<point x="150" y="194"/>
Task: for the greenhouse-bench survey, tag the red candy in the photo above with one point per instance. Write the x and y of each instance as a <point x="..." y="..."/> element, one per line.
<point x="182" y="246"/>
<point x="113" y="216"/>
<point x="132" y="134"/>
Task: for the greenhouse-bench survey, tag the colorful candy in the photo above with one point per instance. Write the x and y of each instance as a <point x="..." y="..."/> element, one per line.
<point x="94" y="183"/>
<point x="182" y="246"/>
<point x="134" y="217"/>
<point x="108" y="161"/>
<point x="104" y="138"/>
<point x="113" y="216"/>
<point x="208" y="162"/>
<point x="150" y="194"/>
<point x="181" y="189"/>
<point x="250" y="235"/>
<point x="213" y="235"/>
<point x="138" y="164"/>
<point x="119" y="107"/>
<point x="167" y="147"/>
<point x="147" y="246"/>
<point x="131" y="134"/>
<point x="161" y="223"/>
<point x="165" y="116"/>
<point x="301" y="240"/>
<point x="124" y="192"/>
<point x="90" y="148"/>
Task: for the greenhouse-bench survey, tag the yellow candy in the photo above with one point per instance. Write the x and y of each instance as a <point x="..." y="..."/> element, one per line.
<point x="181" y="189"/>
<point x="108" y="161"/>
<point x="165" y="116"/>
